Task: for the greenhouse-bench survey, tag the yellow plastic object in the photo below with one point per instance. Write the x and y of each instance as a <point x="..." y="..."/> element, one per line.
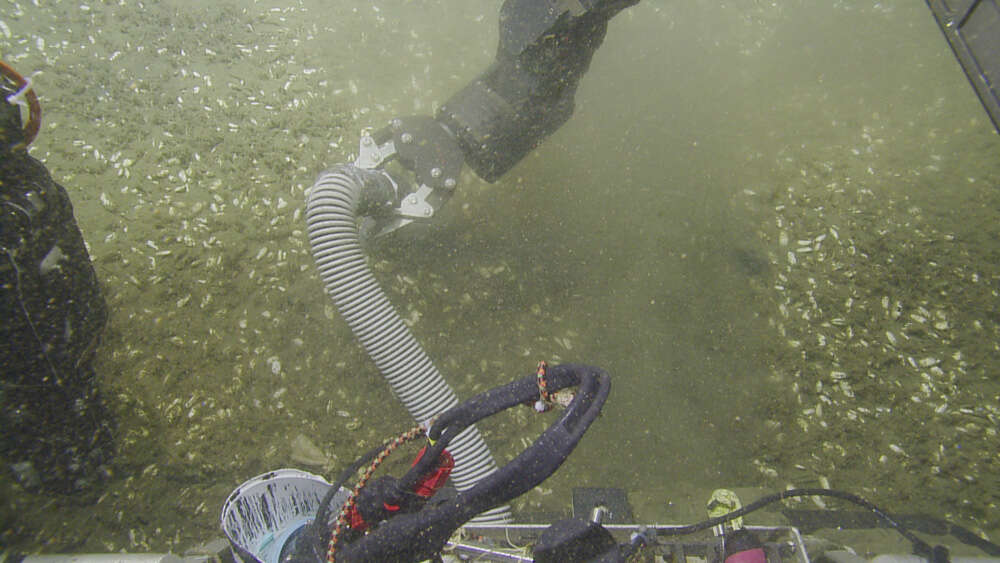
<point x="722" y="502"/>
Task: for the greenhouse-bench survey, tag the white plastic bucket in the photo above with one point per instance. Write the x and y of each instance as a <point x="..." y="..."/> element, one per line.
<point x="261" y="514"/>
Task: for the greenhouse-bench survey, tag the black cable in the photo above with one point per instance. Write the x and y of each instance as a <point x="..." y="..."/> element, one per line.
<point x="920" y="547"/>
<point x="317" y="533"/>
<point x="809" y="520"/>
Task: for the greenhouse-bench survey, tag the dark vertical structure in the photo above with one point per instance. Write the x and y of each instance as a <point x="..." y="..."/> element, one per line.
<point x="56" y="430"/>
<point x="972" y="28"/>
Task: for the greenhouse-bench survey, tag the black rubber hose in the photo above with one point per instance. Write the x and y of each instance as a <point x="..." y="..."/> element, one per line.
<point x="421" y="535"/>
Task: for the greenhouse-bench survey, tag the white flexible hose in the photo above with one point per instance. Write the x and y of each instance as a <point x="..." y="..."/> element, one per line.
<point x="332" y="218"/>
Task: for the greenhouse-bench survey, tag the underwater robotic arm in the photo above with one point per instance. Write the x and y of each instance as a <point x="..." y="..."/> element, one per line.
<point x="408" y="169"/>
<point x="493" y="122"/>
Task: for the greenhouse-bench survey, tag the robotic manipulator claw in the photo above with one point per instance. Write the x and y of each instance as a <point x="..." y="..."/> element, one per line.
<point x="423" y="147"/>
<point x="525" y="95"/>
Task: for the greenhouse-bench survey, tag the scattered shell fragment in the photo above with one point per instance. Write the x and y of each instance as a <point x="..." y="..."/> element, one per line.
<point x="306" y="452"/>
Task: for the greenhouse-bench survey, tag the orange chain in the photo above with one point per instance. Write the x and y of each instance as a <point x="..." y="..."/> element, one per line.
<point x="349" y="505"/>
<point x="543" y="391"/>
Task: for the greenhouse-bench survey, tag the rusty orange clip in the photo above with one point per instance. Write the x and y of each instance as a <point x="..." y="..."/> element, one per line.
<point x="24" y="95"/>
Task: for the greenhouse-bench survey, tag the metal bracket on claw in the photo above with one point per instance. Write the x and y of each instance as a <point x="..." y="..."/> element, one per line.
<point x="416" y="205"/>
<point x="412" y="207"/>
<point x="371" y="154"/>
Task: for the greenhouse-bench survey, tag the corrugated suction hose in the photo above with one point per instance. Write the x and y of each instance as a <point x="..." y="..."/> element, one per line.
<point x="336" y="202"/>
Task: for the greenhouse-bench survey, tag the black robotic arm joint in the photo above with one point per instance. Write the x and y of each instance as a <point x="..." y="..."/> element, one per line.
<point x="527" y="93"/>
<point x="425" y="147"/>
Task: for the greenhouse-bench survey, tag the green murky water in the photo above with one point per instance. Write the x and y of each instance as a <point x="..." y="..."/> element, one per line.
<point x="774" y="224"/>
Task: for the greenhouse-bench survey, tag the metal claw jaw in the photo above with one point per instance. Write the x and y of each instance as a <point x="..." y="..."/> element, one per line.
<point x="422" y="147"/>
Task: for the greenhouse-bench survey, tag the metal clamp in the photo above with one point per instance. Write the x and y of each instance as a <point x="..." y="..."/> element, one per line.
<point x="423" y="147"/>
